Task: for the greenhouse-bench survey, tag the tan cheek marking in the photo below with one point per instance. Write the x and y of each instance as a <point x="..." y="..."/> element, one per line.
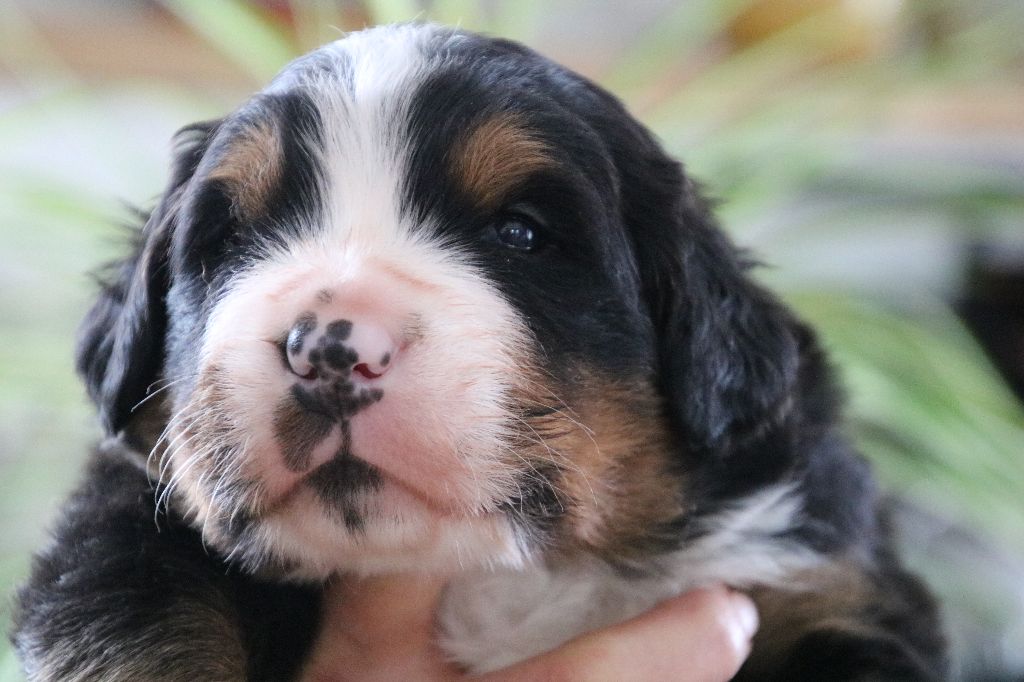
<point x="252" y="167"/>
<point x="199" y="433"/>
<point x="617" y="482"/>
<point x="496" y="156"/>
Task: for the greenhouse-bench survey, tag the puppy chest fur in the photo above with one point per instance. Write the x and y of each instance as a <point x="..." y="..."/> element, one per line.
<point x="432" y="304"/>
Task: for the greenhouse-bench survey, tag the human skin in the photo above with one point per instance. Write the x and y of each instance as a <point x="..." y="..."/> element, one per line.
<point x="382" y="628"/>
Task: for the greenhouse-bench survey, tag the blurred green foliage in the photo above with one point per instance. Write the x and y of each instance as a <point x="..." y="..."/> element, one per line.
<point x="791" y="126"/>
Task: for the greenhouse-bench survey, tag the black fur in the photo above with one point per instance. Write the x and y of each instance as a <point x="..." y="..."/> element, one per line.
<point x="633" y="276"/>
<point x="135" y="594"/>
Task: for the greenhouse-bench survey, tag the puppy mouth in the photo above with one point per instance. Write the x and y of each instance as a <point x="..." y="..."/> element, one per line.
<point x="315" y="441"/>
<point x="348" y="475"/>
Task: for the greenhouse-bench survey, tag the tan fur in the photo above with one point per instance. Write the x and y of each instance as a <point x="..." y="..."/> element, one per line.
<point x="831" y="596"/>
<point x="202" y="425"/>
<point x="496" y="156"/>
<point x="613" y="451"/>
<point x="251" y="168"/>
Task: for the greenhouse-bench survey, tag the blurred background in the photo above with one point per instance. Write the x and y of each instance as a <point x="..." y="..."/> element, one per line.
<point x="870" y="152"/>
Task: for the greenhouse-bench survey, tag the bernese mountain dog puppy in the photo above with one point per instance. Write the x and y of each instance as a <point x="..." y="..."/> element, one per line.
<point x="431" y="303"/>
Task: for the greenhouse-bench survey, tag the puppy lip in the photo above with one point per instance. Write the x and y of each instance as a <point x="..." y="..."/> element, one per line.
<point x="430" y="502"/>
<point x="283" y="499"/>
<point x="294" y="489"/>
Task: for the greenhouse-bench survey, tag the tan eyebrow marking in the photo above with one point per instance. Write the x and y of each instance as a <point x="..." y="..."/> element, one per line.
<point x="497" y="155"/>
<point x="252" y="167"/>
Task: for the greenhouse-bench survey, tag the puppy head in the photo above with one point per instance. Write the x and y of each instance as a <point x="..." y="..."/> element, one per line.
<point x="430" y="301"/>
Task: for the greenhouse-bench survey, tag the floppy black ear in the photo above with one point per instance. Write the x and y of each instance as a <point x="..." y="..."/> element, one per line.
<point x="726" y="348"/>
<point x="121" y="341"/>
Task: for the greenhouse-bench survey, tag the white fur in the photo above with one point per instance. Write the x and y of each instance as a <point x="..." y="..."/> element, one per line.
<point x="441" y="434"/>
<point x="491" y="620"/>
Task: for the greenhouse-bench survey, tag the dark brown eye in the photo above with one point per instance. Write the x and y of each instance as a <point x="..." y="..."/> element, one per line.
<point x="517" y="232"/>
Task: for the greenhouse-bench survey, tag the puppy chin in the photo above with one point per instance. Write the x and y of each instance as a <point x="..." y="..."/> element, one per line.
<point x="396" y="533"/>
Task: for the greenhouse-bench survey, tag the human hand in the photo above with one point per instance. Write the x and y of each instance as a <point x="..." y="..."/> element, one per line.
<point x="381" y="629"/>
<point x="700" y="636"/>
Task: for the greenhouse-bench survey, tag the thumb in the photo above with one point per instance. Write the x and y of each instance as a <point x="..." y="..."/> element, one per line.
<point x="701" y="636"/>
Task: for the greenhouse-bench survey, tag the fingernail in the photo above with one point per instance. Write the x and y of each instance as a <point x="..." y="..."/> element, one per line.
<point x="745" y="616"/>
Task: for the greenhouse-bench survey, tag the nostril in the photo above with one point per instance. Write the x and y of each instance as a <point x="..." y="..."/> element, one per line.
<point x="298" y="356"/>
<point x="374" y="347"/>
<point x="364" y="369"/>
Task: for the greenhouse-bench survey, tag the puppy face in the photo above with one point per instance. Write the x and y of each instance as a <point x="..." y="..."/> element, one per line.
<point x="428" y="302"/>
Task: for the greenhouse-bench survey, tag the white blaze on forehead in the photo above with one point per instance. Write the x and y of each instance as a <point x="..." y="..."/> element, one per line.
<point x="363" y="88"/>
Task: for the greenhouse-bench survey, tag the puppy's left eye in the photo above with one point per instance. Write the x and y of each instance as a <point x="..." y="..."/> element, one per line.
<point x="517" y="232"/>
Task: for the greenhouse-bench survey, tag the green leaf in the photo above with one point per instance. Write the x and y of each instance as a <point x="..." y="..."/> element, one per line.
<point x="239" y="31"/>
<point x="394" y="11"/>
